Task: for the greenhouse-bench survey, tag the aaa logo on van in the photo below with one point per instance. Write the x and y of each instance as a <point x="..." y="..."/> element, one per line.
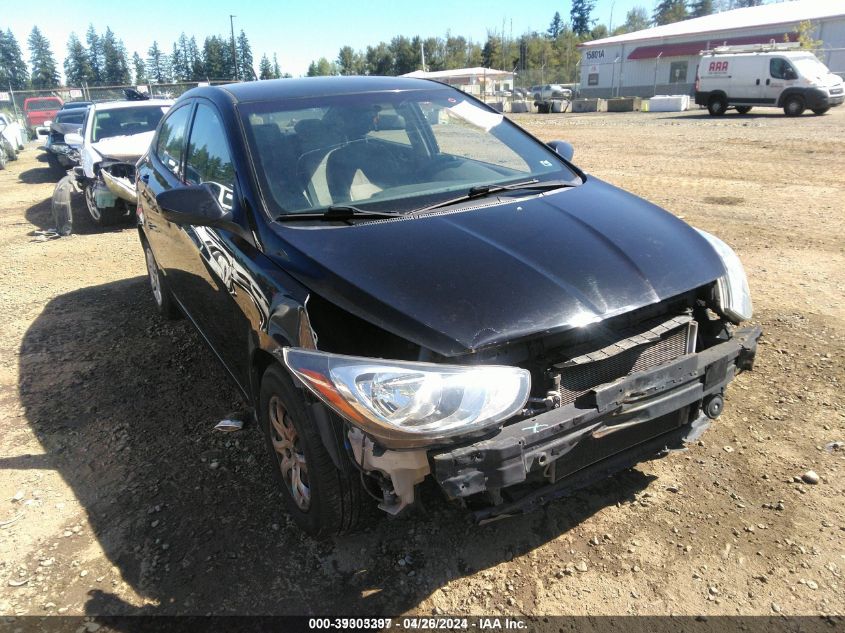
<point x="718" y="67"/>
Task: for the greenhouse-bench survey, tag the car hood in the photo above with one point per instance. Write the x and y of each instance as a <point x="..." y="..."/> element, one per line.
<point x="127" y="148"/>
<point x="458" y="281"/>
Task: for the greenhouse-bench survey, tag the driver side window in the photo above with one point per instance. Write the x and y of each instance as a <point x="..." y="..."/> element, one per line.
<point x="209" y="162"/>
<point x="779" y="68"/>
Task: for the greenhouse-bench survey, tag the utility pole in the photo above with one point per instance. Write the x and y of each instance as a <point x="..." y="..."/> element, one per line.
<point x="234" y="49"/>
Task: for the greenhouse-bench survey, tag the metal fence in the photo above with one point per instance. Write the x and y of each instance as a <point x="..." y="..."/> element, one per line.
<point x="13" y="100"/>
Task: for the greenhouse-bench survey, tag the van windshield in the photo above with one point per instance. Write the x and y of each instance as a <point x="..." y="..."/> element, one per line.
<point x="394" y="151"/>
<point x="810" y="67"/>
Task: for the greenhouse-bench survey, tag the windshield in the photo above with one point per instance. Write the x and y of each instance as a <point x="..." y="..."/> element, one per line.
<point x="126" y="121"/>
<point x="43" y="104"/>
<point x="395" y="151"/>
<point x="810" y="67"/>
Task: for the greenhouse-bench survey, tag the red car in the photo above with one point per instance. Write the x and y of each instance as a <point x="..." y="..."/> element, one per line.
<point x="37" y="110"/>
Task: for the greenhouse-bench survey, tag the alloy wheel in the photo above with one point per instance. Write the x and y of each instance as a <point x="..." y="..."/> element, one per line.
<point x="91" y="203"/>
<point x="289" y="453"/>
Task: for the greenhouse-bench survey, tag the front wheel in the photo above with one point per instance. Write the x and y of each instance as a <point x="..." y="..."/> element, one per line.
<point x="717" y="105"/>
<point x="743" y="109"/>
<point x="102" y="216"/>
<point x="322" y="499"/>
<point x="820" y="111"/>
<point x="793" y="106"/>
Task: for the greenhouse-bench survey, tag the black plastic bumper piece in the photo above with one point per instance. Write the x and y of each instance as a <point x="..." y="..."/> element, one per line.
<point x="630" y="420"/>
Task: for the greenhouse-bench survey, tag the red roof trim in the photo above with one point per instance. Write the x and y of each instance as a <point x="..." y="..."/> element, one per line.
<point x="686" y="49"/>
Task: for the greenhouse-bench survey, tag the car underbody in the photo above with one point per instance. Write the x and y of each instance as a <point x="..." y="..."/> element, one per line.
<point x="605" y="397"/>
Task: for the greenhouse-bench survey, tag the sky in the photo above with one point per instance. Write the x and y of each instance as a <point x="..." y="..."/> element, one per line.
<point x="298" y="32"/>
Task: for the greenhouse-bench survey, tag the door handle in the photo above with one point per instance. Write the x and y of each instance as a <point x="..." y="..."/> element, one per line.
<point x="768" y="81"/>
<point x="758" y="82"/>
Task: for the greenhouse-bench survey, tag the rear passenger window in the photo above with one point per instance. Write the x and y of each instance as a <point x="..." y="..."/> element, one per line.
<point x="209" y="162"/>
<point x="171" y="140"/>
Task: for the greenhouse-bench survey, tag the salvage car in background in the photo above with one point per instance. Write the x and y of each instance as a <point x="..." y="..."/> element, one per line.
<point x="38" y="110"/>
<point x="66" y="121"/>
<point x="114" y="136"/>
<point x="405" y="285"/>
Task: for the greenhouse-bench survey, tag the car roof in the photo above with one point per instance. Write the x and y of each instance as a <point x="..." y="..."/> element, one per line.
<point x="117" y="105"/>
<point x="278" y="89"/>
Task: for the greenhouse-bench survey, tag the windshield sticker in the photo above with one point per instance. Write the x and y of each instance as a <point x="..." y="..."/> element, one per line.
<point x="477" y="116"/>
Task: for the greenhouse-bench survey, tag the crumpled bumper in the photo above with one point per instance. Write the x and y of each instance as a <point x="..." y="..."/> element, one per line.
<point x="630" y="420"/>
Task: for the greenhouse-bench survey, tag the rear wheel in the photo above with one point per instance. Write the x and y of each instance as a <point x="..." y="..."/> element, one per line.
<point x="717" y="105"/>
<point x="793" y="106"/>
<point x="743" y="109"/>
<point x="322" y="499"/>
<point x="2" y="157"/>
<point x="820" y="111"/>
<point x="165" y="305"/>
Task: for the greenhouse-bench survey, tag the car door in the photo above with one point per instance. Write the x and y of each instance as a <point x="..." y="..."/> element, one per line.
<point x="216" y="279"/>
<point x="162" y="169"/>
<point x="780" y="75"/>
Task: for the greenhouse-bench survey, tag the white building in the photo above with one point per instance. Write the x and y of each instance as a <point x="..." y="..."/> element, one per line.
<point x="477" y="81"/>
<point x="663" y="59"/>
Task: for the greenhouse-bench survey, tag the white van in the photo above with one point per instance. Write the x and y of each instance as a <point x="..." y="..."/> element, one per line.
<point x="770" y="75"/>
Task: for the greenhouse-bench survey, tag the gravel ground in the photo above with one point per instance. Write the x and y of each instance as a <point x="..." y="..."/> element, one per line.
<point x="118" y="497"/>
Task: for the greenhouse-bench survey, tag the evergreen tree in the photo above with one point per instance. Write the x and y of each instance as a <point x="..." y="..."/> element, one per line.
<point x="555" y="27"/>
<point x="379" y="60"/>
<point x="246" y="66"/>
<point x="158" y="67"/>
<point x="115" y="66"/>
<point x="277" y="72"/>
<point x="700" y="8"/>
<point x="636" y="20"/>
<point x="45" y="73"/>
<point x="491" y="54"/>
<point x="350" y="62"/>
<point x="217" y="58"/>
<point x="179" y="68"/>
<point x="580" y="16"/>
<point x="406" y="57"/>
<point x="195" y="60"/>
<point x="95" y="55"/>
<point x="740" y="4"/>
<point x="13" y="70"/>
<point x="598" y="32"/>
<point x="77" y="68"/>
<point x="265" y="68"/>
<point x="670" y="11"/>
<point x="140" y="69"/>
<point x="321" y="68"/>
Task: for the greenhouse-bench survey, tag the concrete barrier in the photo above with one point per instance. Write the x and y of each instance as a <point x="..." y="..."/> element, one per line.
<point x="589" y="105"/>
<point x="520" y="106"/>
<point x="623" y="104"/>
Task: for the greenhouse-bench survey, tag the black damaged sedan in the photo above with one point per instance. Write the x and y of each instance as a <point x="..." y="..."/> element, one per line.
<point x="404" y="284"/>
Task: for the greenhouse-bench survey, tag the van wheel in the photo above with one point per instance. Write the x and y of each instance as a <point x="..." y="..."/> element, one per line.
<point x="743" y="109"/>
<point x="793" y="106"/>
<point x="717" y="105"/>
<point x="820" y="111"/>
<point x="322" y="499"/>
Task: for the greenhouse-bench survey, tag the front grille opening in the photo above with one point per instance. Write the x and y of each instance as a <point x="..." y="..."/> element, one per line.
<point x="639" y="351"/>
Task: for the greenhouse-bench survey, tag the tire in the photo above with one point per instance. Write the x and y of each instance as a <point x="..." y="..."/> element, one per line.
<point x="101" y="217"/>
<point x="164" y="302"/>
<point x="717" y="105"/>
<point x="323" y="500"/>
<point x="743" y="109"/>
<point x="820" y="111"/>
<point x="11" y="152"/>
<point x="2" y="157"/>
<point x="793" y="106"/>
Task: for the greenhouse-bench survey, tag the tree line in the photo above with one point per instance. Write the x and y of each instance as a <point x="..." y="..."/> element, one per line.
<point x="555" y="48"/>
<point x="102" y="60"/>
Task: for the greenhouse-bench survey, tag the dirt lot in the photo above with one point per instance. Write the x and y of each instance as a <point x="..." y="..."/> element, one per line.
<point x="118" y="497"/>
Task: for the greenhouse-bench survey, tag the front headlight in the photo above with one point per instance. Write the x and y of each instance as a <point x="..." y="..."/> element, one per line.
<point x="405" y="404"/>
<point x="733" y="296"/>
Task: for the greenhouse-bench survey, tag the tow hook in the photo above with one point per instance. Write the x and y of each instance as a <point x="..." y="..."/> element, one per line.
<point x="713" y="406"/>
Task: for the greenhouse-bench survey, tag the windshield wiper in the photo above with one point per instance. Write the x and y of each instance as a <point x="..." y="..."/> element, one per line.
<point x="338" y="212"/>
<point x="480" y="191"/>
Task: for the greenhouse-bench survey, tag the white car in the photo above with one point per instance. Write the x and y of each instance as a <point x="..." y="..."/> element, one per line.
<point x="114" y="136"/>
<point x="768" y="75"/>
<point x="11" y="138"/>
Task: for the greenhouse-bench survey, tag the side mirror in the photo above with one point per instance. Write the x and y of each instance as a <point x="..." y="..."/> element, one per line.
<point x="72" y="138"/>
<point x="198" y="206"/>
<point x="563" y="149"/>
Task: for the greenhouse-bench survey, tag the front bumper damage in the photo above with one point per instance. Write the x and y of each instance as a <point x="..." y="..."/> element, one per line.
<point x="632" y="419"/>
